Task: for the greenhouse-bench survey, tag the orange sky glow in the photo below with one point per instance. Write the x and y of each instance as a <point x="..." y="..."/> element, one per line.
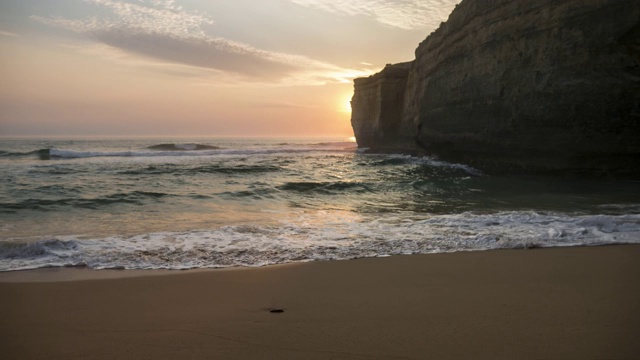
<point x="197" y="68"/>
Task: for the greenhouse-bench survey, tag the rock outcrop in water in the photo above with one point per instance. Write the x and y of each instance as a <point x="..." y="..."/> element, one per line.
<point x="539" y="86"/>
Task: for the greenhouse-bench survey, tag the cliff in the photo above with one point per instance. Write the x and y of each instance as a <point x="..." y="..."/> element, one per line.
<point x="538" y="86"/>
<point x="380" y="103"/>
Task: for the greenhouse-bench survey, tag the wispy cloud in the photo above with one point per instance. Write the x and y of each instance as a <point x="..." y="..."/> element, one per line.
<point x="162" y="30"/>
<point x="404" y="14"/>
<point x="123" y="57"/>
<point x="7" y="33"/>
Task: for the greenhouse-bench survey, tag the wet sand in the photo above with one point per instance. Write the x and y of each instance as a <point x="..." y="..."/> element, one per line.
<point x="563" y="303"/>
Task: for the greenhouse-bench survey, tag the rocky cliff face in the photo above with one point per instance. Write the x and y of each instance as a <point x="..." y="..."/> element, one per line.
<point x="380" y="105"/>
<point x="532" y="85"/>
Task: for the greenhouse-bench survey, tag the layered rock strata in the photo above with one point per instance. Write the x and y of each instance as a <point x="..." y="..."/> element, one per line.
<point x="515" y="86"/>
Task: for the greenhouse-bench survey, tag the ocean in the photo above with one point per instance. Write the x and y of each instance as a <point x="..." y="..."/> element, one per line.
<point x="154" y="203"/>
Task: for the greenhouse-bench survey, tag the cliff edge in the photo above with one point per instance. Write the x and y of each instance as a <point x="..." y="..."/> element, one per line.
<point x="534" y="86"/>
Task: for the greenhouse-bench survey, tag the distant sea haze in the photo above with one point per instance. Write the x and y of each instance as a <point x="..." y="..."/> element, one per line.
<point x="207" y="203"/>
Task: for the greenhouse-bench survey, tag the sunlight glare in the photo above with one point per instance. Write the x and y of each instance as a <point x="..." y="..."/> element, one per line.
<point x="347" y="105"/>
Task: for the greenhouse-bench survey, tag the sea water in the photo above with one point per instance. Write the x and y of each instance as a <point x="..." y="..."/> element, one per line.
<point x="186" y="203"/>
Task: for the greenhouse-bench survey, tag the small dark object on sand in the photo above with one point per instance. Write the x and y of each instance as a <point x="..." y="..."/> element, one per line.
<point x="276" y="310"/>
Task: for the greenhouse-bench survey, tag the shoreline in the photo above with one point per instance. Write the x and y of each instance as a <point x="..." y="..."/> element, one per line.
<point x="566" y="302"/>
<point x="83" y="273"/>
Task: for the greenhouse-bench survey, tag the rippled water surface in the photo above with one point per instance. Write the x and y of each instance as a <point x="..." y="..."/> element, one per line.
<point x="184" y="203"/>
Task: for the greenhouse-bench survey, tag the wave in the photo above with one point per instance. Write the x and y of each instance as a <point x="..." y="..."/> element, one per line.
<point x="325" y="187"/>
<point x="182" y="147"/>
<point x="54" y="247"/>
<point x="238" y="169"/>
<point x="431" y="163"/>
<point x="56" y="169"/>
<point x="132" y="198"/>
<point x="621" y="208"/>
<point x="42" y="154"/>
<point x="186" y="149"/>
<point x="207" y="169"/>
<point x="343" y="144"/>
<point x="333" y="144"/>
<point x="257" y="194"/>
<point x="74" y="154"/>
<point x="326" y="237"/>
<point x="390" y="161"/>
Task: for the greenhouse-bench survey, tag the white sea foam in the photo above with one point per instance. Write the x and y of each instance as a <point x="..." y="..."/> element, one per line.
<point x="190" y="150"/>
<point x="439" y="163"/>
<point x="430" y="161"/>
<point x="323" y="236"/>
<point x="321" y="201"/>
<point x="74" y="154"/>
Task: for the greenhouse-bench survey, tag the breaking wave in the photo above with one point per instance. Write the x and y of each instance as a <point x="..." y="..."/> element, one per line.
<point x="179" y="149"/>
<point x="42" y="154"/>
<point x="335" y="239"/>
<point x="182" y="147"/>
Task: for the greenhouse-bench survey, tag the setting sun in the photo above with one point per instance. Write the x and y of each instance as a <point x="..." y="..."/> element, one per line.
<point x="346" y="105"/>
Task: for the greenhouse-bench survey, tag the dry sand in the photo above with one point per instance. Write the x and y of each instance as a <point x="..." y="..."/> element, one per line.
<point x="569" y="303"/>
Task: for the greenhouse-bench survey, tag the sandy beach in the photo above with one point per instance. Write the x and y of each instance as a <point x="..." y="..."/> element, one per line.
<point x="561" y="303"/>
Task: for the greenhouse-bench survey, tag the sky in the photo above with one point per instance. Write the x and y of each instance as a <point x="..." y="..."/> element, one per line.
<point x="197" y="67"/>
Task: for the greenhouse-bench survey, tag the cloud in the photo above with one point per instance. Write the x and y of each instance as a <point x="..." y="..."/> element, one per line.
<point x="403" y="14"/>
<point x="211" y="53"/>
<point x="7" y="33"/>
<point x="123" y="57"/>
<point x="161" y="30"/>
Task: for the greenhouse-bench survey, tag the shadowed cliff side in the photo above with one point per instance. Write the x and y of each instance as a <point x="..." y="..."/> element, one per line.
<point x="534" y="86"/>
